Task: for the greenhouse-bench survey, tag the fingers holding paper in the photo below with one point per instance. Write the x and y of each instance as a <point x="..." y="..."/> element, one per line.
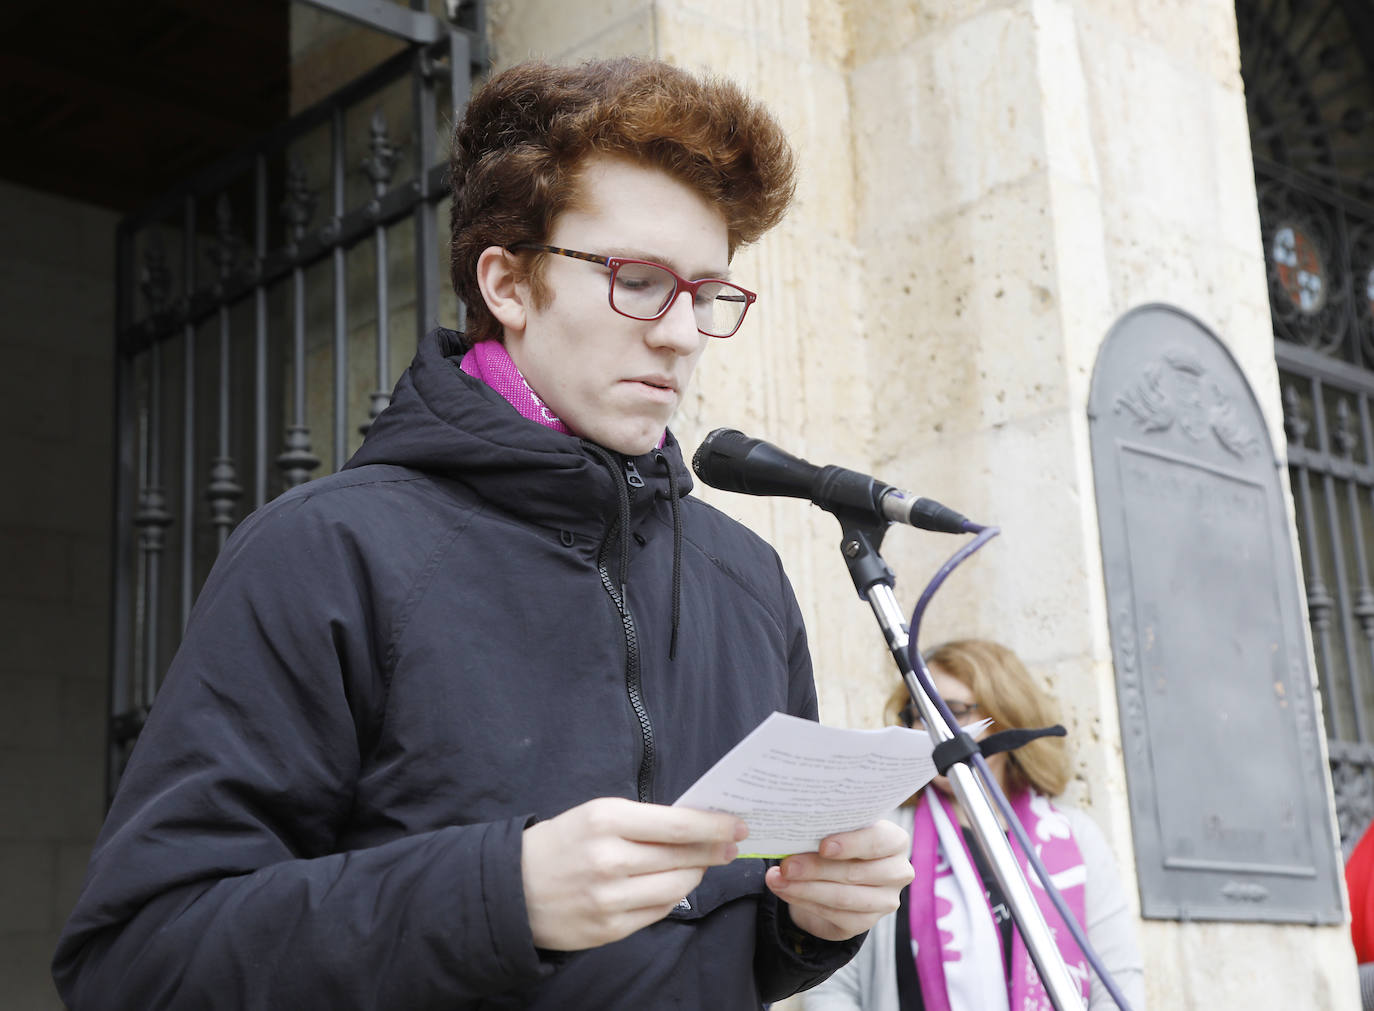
<point x="602" y="870"/>
<point x="852" y="882"/>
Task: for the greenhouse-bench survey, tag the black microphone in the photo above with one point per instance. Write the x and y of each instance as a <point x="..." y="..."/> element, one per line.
<point x="732" y="461"/>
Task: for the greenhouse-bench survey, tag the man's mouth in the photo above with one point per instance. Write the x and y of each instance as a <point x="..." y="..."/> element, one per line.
<point x="656" y="382"/>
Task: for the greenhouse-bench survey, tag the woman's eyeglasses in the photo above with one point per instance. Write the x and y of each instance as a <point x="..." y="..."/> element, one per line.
<point x="961" y="711"/>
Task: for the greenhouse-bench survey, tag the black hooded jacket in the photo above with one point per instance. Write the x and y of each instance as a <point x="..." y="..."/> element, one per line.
<point x="390" y="673"/>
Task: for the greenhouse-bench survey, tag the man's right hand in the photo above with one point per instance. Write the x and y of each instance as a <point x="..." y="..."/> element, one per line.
<point x="601" y="870"/>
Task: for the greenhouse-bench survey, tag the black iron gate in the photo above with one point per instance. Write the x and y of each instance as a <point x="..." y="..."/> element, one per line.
<point x="1309" y="88"/>
<point x="1320" y="250"/>
<point x="260" y="313"/>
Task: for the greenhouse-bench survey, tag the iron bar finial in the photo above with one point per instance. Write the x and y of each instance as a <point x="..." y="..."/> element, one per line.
<point x="297" y="461"/>
<point x="223" y="492"/>
<point x="227" y="248"/>
<point x="1344" y="436"/>
<point x="152" y="519"/>
<point x="298" y="206"/>
<point x="1295" y="423"/>
<point x="380" y="163"/>
<point x="155" y="280"/>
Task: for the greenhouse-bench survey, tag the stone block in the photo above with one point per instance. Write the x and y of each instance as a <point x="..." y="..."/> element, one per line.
<point x="43" y="304"/>
<point x="28" y="875"/>
<point x="83" y="716"/>
<point x="1167" y="138"/>
<point x="30" y="718"/>
<point x="1064" y="93"/>
<point x="39" y="403"/>
<point x="812" y="31"/>
<point x="72" y="859"/>
<point x="1200" y="35"/>
<point x="35" y="565"/>
<point x="940" y="126"/>
<point x="635" y="35"/>
<point x="945" y="303"/>
<point x="548" y="29"/>
<point x="90" y="561"/>
<point x="1235" y="217"/>
<point x="43" y="639"/>
<point x="878" y="29"/>
<point x="1084" y="687"/>
<point x="1223" y="285"/>
<point x="52" y="796"/>
<point x="25" y="956"/>
<point x="809" y="97"/>
<point x="62" y="490"/>
<point x="1216" y="965"/>
<point x="90" y="392"/>
<point x="59" y="236"/>
<point x="1081" y="278"/>
<point x="1037" y="578"/>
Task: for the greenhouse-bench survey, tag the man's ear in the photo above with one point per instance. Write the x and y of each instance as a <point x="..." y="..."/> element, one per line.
<point x="496" y="279"/>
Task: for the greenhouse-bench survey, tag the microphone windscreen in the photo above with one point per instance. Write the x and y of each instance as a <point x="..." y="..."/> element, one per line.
<point x="711" y="460"/>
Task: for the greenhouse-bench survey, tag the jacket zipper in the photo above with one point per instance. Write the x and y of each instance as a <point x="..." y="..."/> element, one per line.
<point x="644" y="783"/>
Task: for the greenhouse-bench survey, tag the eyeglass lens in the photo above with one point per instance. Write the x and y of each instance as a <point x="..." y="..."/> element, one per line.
<point x="642" y="290"/>
<point x="960" y="711"/>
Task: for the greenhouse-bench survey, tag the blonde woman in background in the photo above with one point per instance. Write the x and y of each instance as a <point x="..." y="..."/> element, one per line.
<point x="952" y="945"/>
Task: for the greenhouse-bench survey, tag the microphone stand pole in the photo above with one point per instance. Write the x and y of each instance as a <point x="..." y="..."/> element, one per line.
<point x="859" y="543"/>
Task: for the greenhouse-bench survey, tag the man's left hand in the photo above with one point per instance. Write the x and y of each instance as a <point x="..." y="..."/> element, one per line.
<point x="849" y="885"/>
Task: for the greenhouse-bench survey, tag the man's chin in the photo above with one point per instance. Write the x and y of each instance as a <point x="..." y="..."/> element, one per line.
<point x="633" y="440"/>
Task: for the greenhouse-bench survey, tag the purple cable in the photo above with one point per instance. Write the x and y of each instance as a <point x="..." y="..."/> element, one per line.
<point x="918" y="667"/>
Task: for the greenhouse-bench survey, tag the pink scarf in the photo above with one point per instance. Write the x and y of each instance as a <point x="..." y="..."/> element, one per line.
<point x="959" y="958"/>
<point x="490" y="362"/>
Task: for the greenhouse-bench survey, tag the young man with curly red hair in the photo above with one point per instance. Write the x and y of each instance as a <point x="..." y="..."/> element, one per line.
<point x="418" y="746"/>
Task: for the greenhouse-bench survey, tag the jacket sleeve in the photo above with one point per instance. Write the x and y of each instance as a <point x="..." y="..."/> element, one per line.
<point x="1111" y="925"/>
<point x="788" y="960"/>
<point x="215" y="882"/>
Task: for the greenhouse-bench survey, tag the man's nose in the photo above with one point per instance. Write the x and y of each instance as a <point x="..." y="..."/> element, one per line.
<point x="677" y="328"/>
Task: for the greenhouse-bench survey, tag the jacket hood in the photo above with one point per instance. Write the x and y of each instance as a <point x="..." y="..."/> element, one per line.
<point x="447" y="423"/>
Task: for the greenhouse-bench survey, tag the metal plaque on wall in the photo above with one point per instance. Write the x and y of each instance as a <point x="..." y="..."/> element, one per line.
<point x="1229" y="795"/>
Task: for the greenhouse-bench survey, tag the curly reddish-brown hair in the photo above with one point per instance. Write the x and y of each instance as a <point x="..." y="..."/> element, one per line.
<point x="526" y="135"/>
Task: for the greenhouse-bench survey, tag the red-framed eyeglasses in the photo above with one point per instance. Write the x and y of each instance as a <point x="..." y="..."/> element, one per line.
<point x="644" y="290"/>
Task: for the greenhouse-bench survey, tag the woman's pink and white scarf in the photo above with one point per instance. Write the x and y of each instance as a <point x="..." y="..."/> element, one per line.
<point x="958" y="949"/>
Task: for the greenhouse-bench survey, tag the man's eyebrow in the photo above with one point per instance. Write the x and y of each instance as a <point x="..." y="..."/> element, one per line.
<point x="630" y="253"/>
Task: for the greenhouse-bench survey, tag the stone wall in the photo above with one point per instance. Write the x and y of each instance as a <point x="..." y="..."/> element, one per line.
<point x="986" y="186"/>
<point x="1045" y="167"/>
<point x="56" y="417"/>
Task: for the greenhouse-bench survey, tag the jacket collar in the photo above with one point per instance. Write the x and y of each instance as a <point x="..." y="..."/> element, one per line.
<point x="448" y="423"/>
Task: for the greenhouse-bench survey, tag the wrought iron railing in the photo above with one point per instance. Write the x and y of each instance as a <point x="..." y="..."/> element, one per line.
<point x="1319" y="248"/>
<point x="244" y="363"/>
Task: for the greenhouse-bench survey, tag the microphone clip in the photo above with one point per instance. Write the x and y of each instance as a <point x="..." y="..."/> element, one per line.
<point x="860" y="538"/>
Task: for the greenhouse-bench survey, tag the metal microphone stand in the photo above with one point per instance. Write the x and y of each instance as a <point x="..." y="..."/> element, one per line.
<point x="859" y="543"/>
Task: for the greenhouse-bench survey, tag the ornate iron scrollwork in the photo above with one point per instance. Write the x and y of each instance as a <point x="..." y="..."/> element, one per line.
<point x="1354" y="787"/>
<point x="1362" y="285"/>
<point x="1307" y="278"/>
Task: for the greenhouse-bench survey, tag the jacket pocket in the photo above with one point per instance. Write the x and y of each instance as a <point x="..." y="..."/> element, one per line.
<point x="736" y="880"/>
